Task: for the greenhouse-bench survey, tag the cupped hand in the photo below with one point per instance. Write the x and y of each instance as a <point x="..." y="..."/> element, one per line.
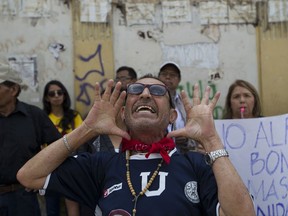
<point x="199" y="123"/>
<point x="102" y="116"/>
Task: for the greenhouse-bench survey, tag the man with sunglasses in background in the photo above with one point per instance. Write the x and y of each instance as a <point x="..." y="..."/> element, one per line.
<point x="125" y="75"/>
<point x="149" y="177"/>
<point x="23" y="130"/>
<point x="170" y="74"/>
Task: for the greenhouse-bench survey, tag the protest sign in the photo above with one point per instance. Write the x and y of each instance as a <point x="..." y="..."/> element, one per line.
<point x="258" y="149"/>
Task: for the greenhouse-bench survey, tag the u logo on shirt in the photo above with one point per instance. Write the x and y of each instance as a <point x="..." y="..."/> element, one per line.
<point x="162" y="183"/>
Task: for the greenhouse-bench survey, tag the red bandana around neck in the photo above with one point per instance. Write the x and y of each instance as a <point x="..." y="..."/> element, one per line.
<point x="164" y="145"/>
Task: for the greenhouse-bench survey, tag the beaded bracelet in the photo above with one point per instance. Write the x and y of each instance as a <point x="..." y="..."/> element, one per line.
<point x="65" y="141"/>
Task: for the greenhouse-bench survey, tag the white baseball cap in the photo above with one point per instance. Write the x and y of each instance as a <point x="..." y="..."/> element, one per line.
<point x="9" y="74"/>
<point x="173" y="64"/>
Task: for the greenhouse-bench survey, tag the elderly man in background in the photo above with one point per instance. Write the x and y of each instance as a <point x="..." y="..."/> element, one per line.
<point x="125" y="75"/>
<point x="23" y="130"/>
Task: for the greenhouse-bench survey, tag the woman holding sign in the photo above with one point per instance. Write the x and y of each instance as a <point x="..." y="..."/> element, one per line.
<point x="242" y="101"/>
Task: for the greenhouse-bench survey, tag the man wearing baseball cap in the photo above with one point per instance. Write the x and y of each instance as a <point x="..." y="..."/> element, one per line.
<point x="24" y="129"/>
<point x="170" y="74"/>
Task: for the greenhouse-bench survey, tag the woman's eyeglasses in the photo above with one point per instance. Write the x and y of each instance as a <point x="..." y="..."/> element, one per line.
<point x="154" y="89"/>
<point x="54" y="93"/>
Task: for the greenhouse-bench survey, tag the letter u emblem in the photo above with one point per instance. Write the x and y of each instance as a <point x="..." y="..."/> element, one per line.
<point x="162" y="183"/>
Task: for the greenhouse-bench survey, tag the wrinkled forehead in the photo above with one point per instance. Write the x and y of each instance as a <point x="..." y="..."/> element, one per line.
<point x="150" y="81"/>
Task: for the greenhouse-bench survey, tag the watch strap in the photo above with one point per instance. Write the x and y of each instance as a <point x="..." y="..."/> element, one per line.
<point x="214" y="155"/>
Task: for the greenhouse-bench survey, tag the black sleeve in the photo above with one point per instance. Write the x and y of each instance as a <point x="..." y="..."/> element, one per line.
<point x="45" y="129"/>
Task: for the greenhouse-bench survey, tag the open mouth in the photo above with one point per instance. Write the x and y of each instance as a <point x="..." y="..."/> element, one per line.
<point x="145" y="109"/>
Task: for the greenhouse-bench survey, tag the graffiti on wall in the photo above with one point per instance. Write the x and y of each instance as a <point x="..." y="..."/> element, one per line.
<point x="85" y="100"/>
<point x="86" y="82"/>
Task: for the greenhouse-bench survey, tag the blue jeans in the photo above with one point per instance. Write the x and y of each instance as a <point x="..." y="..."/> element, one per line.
<point x="19" y="203"/>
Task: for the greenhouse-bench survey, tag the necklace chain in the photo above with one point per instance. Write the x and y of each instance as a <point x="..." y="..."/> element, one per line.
<point x="141" y="193"/>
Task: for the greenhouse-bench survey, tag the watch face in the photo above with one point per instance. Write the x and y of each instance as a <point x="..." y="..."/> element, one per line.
<point x="207" y="159"/>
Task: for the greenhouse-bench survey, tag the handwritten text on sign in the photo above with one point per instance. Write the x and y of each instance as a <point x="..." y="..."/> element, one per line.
<point x="258" y="149"/>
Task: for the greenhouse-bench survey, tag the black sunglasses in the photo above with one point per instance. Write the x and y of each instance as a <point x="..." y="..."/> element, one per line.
<point x="53" y="93"/>
<point x="154" y="89"/>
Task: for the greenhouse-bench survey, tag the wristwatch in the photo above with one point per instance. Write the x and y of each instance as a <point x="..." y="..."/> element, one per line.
<point x="212" y="156"/>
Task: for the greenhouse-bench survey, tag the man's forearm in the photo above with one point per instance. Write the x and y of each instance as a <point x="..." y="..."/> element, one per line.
<point x="34" y="172"/>
<point x="233" y="195"/>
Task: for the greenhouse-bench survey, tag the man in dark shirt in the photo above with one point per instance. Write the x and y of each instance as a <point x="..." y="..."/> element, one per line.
<point x="23" y="129"/>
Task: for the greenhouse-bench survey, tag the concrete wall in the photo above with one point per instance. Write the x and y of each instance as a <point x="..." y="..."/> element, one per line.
<point x="216" y="55"/>
<point x="25" y="37"/>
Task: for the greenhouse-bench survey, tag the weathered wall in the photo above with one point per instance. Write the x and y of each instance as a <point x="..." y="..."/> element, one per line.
<point x="274" y="67"/>
<point x="216" y="55"/>
<point x="213" y="42"/>
<point x="25" y="37"/>
<point x="93" y="58"/>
